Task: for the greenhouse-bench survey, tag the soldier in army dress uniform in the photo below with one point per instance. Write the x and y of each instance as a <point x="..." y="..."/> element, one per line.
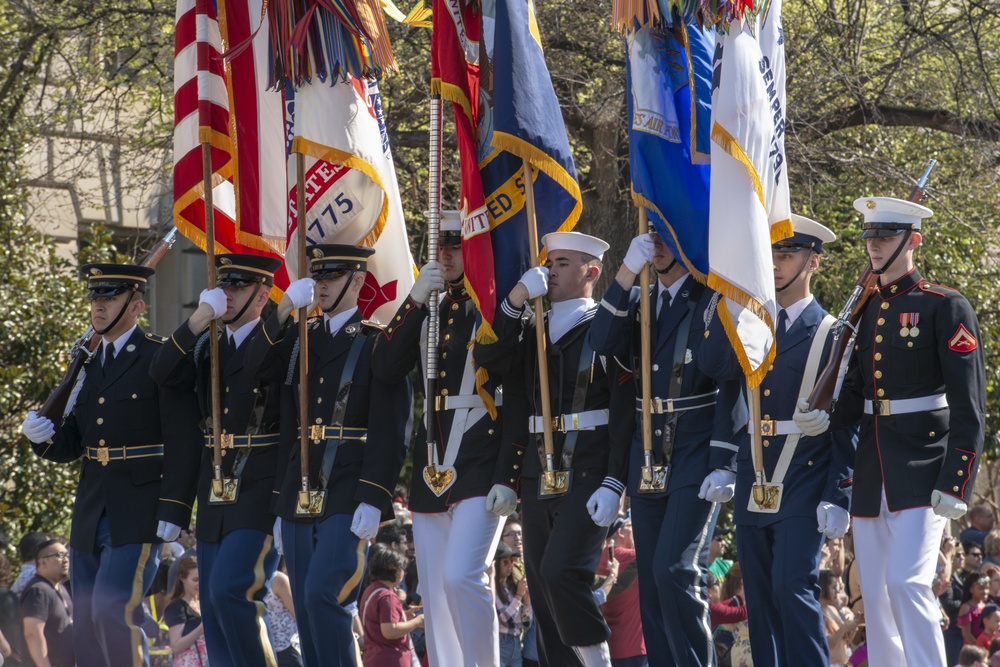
<point x="778" y="540"/>
<point x="564" y="530"/>
<point x="357" y="429"/>
<point x="694" y="420"/>
<point x="236" y="557"/>
<point x="916" y="383"/>
<point x="137" y="443"/>
<point x="454" y="534"/>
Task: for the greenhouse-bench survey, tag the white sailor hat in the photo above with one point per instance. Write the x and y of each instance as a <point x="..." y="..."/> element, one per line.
<point x="806" y="234"/>
<point x="887" y="216"/>
<point x="590" y="245"/>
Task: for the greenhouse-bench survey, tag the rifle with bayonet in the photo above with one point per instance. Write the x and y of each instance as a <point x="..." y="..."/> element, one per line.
<point x="83" y="348"/>
<point x="846" y="327"/>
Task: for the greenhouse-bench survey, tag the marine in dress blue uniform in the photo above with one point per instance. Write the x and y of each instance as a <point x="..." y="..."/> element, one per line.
<point x="779" y="547"/>
<point x="357" y="439"/>
<point x="694" y="427"/>
<point x="916" y="383"/>
<point x="136" y="445"/>
<point x="455" y="535"/>
<point x="564" y="533"/>
<point x="236" y="557"/>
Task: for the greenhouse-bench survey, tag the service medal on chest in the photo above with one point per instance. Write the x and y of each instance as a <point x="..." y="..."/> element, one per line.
<point x="908" y="321"/>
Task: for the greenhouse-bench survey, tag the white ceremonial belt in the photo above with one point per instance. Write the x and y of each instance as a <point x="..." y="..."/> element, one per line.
<point x="463" y="402"/>
<point x="884" y="407"/>
<point x="774" y="427"/>
<point x="659" y="406"/>
<point x="577" y="421"/>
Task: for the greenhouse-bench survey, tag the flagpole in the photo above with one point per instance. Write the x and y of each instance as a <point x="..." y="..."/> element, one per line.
<point x="213" y="327"/>
<point x="646" y="354"/>
<point x="303" y="269"/>
<point x="543" y="368"/>
<point x="433" y="313"/>
<point x="753" y="398"/>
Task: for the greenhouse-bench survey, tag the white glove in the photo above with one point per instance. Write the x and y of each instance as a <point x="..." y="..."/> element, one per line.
<point x="167" y="531"/>
<point x="947" y="506"/>
<point x="501" y="500"/>
<point x="718" y="487"/>
<point x="603" y="506"/>
<point x="640" y="252"/>
<point x="832" y="520"/>
<point x="431" y="278"/>
<point x="38" y="429"/>
<point x="215" y="299"/>
<point x="812" y="422"/>
<point x="366" y="520"/>
<point x="536" y="281"/>
<point x="276" y="531"/>
<point x="301" y="293"/>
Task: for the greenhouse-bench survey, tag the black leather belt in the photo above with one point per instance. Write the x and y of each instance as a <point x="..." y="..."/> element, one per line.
<point x="319" y="433"/>
<point x="104" y="455"/>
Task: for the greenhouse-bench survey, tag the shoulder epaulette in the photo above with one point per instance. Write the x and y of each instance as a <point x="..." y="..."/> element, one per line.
<point x="932" y="288"/>
<point x="156" y="338"/>
<point x="315" y="321"/>
<point x="371" y="326"/>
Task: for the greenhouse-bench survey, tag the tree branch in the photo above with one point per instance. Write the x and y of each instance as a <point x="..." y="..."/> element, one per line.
<point x="941" y="120"/>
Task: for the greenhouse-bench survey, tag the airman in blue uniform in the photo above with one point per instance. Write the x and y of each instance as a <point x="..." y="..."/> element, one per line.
<point x="694" y="430"/>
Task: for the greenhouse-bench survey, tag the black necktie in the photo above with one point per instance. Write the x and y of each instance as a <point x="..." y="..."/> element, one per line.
<point x="782" y="323"/>
<point x="326" y="324"/>
<point x="661" y="318"/>
<point x="109" y="356"/>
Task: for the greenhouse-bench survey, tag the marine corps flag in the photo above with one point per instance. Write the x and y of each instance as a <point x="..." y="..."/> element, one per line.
<point x="669" y="109"/>
<point x="521" y="119"/>
<point x="455" y="77"/>
<point x="743" y="196"/>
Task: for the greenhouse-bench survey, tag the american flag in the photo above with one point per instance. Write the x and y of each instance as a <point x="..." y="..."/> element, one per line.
<point x="225" y="103"/>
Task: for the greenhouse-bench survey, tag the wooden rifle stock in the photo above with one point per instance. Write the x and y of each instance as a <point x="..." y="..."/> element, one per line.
<point x="846" y="326"/>
<point x="83" y="349"/>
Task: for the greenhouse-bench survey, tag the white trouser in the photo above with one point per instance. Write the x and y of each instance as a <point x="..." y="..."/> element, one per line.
<point x="897" y="557"/>
<point x="595" y="655"/>
<point x="453" y="550"/>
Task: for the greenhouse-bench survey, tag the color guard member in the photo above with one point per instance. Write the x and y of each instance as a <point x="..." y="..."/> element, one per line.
<point x="138" y="445"/>
<point x="236" y="557"/>
<point x="454" y="534"/>
<point x="916" y="383"/>
<point x="357" y="439"/>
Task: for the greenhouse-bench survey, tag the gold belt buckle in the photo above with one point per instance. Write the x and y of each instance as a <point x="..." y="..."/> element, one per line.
<point x="317" y="433"/>
<point x="768" y="427"/>
<point x="557" y="424"/>
<point x="882" y="408"/>
<point x="103" y="456"/>
<point x="440" y="403"/>
<point x="227" y="441"/>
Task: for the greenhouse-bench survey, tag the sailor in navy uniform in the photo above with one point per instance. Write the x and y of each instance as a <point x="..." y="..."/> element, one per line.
<point x="563" y="533"/>
<point x="357" y="439"/>
<point x="916" y="383"/>
<point x="138" y="444"/>
<point x="779" y="542"/>
<point x="694" y="428"/>
<point x="236" y="557"/>
<point x="454" y="534"/>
